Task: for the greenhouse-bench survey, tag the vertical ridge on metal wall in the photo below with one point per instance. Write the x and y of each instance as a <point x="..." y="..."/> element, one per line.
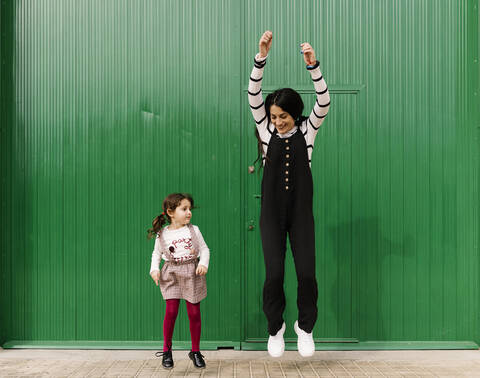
<point x="7" y="108"/>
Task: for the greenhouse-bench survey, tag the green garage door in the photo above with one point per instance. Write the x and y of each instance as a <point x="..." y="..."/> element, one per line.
<point x="111" y="106"/>
<point x="394" y="167"/>
<point x="333" y="167"/>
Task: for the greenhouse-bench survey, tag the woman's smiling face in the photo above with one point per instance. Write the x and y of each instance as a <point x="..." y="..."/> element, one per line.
<point x="282" y="120"/>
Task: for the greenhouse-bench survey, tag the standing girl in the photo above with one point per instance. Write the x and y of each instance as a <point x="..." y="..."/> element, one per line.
<point x="183" y="274"/>
<point x="285" y="144"/>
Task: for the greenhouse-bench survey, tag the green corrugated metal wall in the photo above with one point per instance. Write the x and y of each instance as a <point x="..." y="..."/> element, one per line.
<point x="107" y="106"/>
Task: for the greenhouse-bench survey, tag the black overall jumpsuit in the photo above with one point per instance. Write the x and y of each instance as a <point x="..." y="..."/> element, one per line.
<point x="287" y="192"/>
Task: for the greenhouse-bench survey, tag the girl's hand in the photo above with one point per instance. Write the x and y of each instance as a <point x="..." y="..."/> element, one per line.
<point x="155" y="276"/>
<point x="201" y="270"/>
<point x="265" y="43"/>
<point x="308" y="54"/>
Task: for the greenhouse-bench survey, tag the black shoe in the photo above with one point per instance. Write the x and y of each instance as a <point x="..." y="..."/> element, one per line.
<point x="167" y="359"/>
<point x="197" y="359"/>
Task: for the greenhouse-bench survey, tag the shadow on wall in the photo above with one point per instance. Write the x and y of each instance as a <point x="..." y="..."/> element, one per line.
<point x="373" y="262"/>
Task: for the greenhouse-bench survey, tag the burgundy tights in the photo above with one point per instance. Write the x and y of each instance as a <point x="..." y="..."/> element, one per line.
<point x="171" y="312"/>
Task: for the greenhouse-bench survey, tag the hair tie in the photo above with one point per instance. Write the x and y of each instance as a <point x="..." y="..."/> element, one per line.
<point x="163" y="213"/>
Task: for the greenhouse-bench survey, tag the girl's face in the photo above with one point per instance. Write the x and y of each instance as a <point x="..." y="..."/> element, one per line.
<point x="182" y="214"/>
<point x="282" y="121"/>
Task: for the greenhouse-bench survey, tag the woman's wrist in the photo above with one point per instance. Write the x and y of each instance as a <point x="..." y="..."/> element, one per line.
<point x="259" y="62"/>
<point x="259" y="57"/>
<point x="313" y="66"/>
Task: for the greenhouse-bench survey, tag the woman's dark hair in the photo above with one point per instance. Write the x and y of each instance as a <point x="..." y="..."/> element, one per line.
<point x="171" y="202"/>
<point x="290" y="101"/>
<point x="287" y="99"/>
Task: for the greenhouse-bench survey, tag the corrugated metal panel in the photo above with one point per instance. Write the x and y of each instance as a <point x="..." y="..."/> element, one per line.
<point x="118" y="104"/>
<point x="107" y="106"/>
<point x="6" y="111"/>
<point x="397" y="234"/>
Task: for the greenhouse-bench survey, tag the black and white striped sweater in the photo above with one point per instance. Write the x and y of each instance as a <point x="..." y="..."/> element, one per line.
<point x="309" y="127"/>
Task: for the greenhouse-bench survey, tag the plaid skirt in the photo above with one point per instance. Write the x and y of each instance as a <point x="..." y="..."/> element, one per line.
<point x="179" y="281"/>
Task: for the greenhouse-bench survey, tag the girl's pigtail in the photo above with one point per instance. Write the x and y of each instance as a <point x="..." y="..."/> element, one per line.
<point x="157" y="225"/>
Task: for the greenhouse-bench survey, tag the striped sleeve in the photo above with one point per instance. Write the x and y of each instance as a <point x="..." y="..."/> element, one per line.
<point x="255" y="98"/>
<point x="322" y="103"/>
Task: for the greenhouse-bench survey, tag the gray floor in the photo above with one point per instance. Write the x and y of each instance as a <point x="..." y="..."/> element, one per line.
<point x="229" y="363"/>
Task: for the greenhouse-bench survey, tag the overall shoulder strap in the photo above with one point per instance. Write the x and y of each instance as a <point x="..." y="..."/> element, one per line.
<point x="193" y="234"/>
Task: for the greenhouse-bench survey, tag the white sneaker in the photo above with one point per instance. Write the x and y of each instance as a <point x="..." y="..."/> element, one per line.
<point x="305" y="344"/>
<point x="276" y="344"/>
